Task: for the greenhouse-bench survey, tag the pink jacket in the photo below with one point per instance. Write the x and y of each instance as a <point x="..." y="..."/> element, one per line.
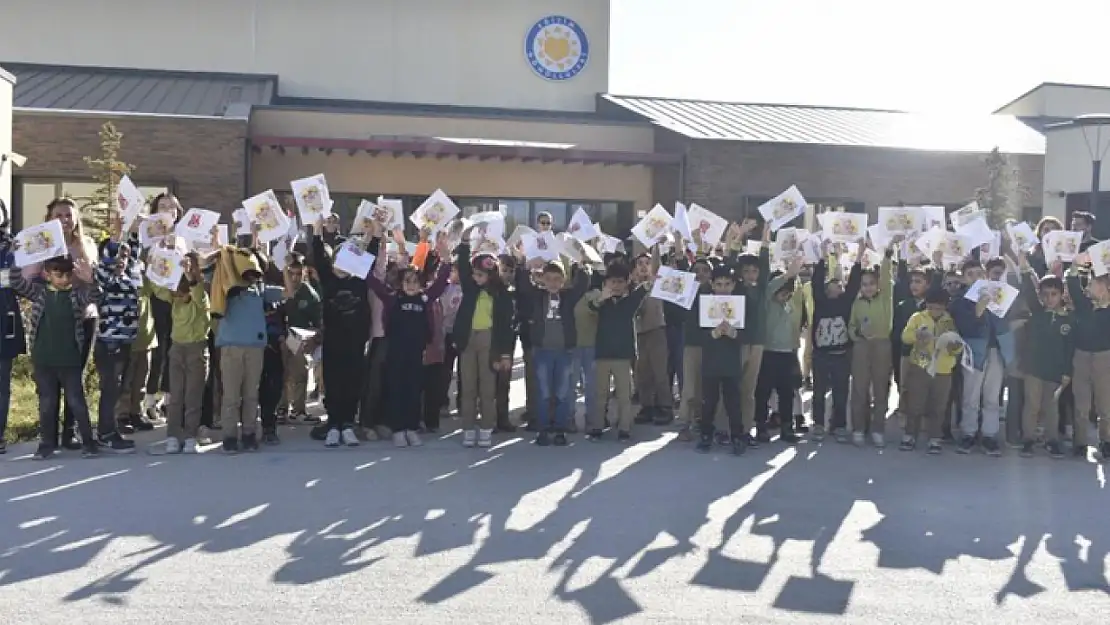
<point x="434" y="352"/>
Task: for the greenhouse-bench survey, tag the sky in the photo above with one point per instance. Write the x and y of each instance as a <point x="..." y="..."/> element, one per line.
<point x="938" y="56"/>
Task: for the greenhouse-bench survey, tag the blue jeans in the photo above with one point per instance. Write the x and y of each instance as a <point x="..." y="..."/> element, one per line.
<point x="586" y="370"/>
<point x="5" y="394"/>
<point x="553" y="377"/>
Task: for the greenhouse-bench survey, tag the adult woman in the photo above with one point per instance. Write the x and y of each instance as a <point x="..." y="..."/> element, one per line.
<point x="81" y="248"/>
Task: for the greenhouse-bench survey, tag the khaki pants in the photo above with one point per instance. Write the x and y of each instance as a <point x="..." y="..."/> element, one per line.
<point x="807" y="355"/>
<point x="1040" y="403"/>
<point x="619" y="372"/>
<point x="188" y="370"/>
<point x="926" y="401"/>
<point x="751" y="358"/>
<point x="241" y="372"/>
<point x="1091" y="380"/>
<point x="870" y="378"/>
<point x="478" y="382"/>
<point x="651" y="370"/>
<point x="134" y="380"/>
<point x="294" y="390"/>
<point x="690" y="410"/>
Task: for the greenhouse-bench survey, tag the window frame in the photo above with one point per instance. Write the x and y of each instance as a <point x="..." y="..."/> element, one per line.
<point x="58" y="182"/>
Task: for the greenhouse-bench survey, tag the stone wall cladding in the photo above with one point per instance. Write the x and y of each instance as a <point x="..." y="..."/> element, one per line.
<point x="719" y="174"/>
<point x="203" y="159"/>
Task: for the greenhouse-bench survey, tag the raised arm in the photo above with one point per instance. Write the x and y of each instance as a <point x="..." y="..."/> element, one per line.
<point x="820" y="271"/>
<point x="1029" y="291"/>
<point x="1075" y="289"/>
<point x="322" y="263"/>
<point x="855" y="277"/>
<point x="439" y="285"/>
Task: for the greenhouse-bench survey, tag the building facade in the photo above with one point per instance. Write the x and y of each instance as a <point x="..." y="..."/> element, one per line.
<point x="7" y="82"/>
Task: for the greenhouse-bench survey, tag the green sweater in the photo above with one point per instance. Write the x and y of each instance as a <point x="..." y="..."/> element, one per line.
<point x="55" y="344"/>
<point x="1051" y="337"/>
<point x="148" y="338"/>
<point x="754" y="298"/>
<point x="872" y="318"/>
<point x="304" y="310"/>
<point x="191" y="319"/>
<point x="781" y="325"/>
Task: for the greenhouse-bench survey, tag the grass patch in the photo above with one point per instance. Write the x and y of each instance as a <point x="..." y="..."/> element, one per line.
<point x="23" y="414"/>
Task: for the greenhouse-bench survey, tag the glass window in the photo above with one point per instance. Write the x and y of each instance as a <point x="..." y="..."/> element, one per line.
<point x="558" y="212"/>
<point x="33" y="199"/>
<point x="517" y="213"/>
<point x="609" y="218"/>
<point x="590" y="208"/>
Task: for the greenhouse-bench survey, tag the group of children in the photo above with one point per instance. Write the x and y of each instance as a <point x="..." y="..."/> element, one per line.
<point x="385" y="348"/>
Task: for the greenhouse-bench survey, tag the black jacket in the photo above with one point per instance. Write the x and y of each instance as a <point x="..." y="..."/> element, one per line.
<point x="536" y="299"/>
<point x="503" y="338"/>
<point x="831" y="316"/>
<point x="616" y="330"/>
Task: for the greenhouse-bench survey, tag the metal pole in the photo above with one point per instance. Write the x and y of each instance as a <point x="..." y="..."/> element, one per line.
<point x="1096" y="171"/>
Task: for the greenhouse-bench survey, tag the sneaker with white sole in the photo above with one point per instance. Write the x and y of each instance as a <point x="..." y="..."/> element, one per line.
<point x="469" y="438"/>
<point x="400" y="440"/>
<point x="878" y="440"/>
<point x="190" y="446"/>
<point x="485" y="438"/>
<point x="413" y="438"/>
<point x="349" y="438"/>
<point x="858" y="439"/>
<point x="173" y="446"/>
<point x="332" y="439"/>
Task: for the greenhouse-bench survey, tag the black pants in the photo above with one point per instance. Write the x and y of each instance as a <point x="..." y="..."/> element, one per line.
<point x="209" y="407"/>
<point x="372" y="388"/>
<point x="111" y="362"/>
<point x="777" y="373"/>
<point x="437" y="379"/>
<point x="90" y="326"/>
<point x="405" y="378"/>
<point x="450" y="356"/>
<point x="830" y="371"/>
<point x="269" y="387"/>
<point x="714" y="387"/>
<point x="344" y="377"/>
<point x="51" y="383"/>
<point x="896" y="359"/>
<point x="157" y="378"/>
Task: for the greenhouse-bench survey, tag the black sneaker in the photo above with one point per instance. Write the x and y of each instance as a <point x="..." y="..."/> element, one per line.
<point x="646" y="416"/>
<point x="123" y="426"/>
<point x="3" y="445"/>
<point x="1054" y="449"/>
<point x="1104" y="450"/>
<point x="319" y="432"/>
<point x="594" y="435"/>
<point x="705" y="444"/>
<point x="990" y="446"/>
<point x="90" y="451"/>
<point x="142" y="424"/>
<point x="71" y="443"/>
<point x="762" y="435"/>
<point x="543" y="439"/>
<point x="967" y="443"/>
<point x="270" y="437"/>
<point x="308" y="418"/>
<point x="250" y="442"/>
<point x="907" y="444"/>
<point x="43" y="452"/>
<point x="117" y="444"/>
<point x="1027" y="449"/>
<point x="788" y="437"/>
<point x="663" y="416"/>
<point x="722" y="439"/>
<point x="505" y="428"/>
<point x="1079" y="451"/>
<point x="560" y="439"/>
<point x="800" y="424"/>
<point x="231" y="445"/>
<point x="624" y="437"/>
<point x="739" y="445"/>
<point x="752" y="442"/>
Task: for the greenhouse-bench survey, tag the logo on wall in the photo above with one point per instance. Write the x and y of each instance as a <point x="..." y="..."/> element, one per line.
<point x="557" y="48"/>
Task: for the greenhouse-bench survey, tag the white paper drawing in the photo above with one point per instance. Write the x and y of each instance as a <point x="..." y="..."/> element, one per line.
<point x="905" y="220"/>
<point x="196" y="225"/>
<point x="677" y="287"/>
<point x="264" y="210"/>
<point x="1022" y="236"/>
<point x="312" y="198"/>
<point x="129" y="201"/>
<point x="434" y="213"/>
<point x="1000" y="295"/>
<point x="714" y="309"/>
<point x="39" y="243"/>
<point x="353" y="259"/>
<point x="653" y="227"/>
<point x="707" y="227"/>
<point x="783" y="208"/>
<point x="165" y="267"/>
<point x="154" y="228"/>
<point x="581" y="227"/>
<point x="1061" y="245"/>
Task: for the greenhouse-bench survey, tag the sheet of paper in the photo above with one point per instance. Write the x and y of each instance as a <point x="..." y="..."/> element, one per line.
<point x="1100" y="258"/>
<point x="487" y="224"/>
<point x="1000" y="295"/>
<point x="518" y="233"/>
<point x="129" y="201"/>
<point x="707" y="227"/>
<point x="677" y="287"/>
<point x="581" y="227"/>
<point x="880" y="237"/>
<point x="165" y="267"/>
<point x="966" y="214"/>
<point x="975" y="230"/>
<point x="933" y="217"/>
<point x="714" y="309"/>
<point x="653" y="227"/>
<point x="895" y="220"/>
<point x="312" y="198"/>
<point x="1061" y="245"/>
<point x="196" y="225"/>
<point x="788" y="244"/>
<point x="845" y="227"/>
<point x="435" y="212"/>
<point x="264" y="210"/>
<point x="396" y="210"/>
<point x="39" y="243"/>
<point x="542" y="245"/>
<point x="1022" y="236"/>
<point x="609" y="245"/>
<point x="783" y="208"/>
<point x="154" y="228"/>
<point x="680" y="224"/>
<point x="354" y="260"/>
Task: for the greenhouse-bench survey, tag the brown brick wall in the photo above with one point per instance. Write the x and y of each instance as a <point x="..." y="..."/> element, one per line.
<point x="202" y="159"/>
<point x="720" y="174"/>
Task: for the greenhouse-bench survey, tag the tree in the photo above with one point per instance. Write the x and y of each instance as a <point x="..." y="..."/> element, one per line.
<point x="107" y="170"/>
<point x="1004" y="195"/>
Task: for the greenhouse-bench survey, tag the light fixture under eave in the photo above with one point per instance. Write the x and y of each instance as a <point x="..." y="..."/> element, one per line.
<point x="16" y="158"/>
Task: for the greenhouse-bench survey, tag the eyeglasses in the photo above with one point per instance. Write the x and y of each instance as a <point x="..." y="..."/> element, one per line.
<point x="545" y="223"/>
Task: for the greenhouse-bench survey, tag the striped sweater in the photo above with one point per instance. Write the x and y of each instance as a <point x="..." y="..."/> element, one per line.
<point x="119" y="301"/>
<point x="81" y="296"/>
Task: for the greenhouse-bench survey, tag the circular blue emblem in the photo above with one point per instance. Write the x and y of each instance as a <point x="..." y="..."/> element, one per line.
<point x="557" y="48"/>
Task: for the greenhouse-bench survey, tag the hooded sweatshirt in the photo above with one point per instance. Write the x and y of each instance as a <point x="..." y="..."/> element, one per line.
<point x="118" y="309"/>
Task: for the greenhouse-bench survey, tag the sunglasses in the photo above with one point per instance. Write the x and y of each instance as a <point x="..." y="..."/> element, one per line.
<point x="545" y="223"/>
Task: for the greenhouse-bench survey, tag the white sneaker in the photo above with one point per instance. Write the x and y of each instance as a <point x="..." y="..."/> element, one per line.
<point x="413" y="438"/>
<point x="173" y="446"/>
<point x="333" y="439"/>
<point x="857" y="439"/>
<point x="204" y="436"/>
<point x="485" y="438"/>
<point x="469" y="437"/>
<point x="877" y="440"/>
<point x="349" y="438"/>
<point x="190" y="446"/>
<point x="400" y="440"/>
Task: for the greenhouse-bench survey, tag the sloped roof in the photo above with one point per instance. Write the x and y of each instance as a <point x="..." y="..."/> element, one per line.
<point x="823" y="125"/>
<point x="140" y="91"/>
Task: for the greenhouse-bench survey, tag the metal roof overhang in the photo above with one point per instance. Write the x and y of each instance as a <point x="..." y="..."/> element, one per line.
<point x="447" y="149"/>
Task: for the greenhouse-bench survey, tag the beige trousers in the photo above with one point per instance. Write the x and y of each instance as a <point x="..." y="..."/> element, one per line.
<point x="478" y="382"/>
<point x="926" y="401"/>
<point x="131" y="393"/>
<point x="690" y="410"/>
<point x="241" y="372"/>
<point x="1040" y="404"/>
<point x="870" y="378"/>
<point x="294" y="390"/>
<point x="188" y="370"/>
<point x="619" y="373"/>
<point x="751" y="358"/>
<point x="1090" y="384"/>
<point x="651" y="370"/>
